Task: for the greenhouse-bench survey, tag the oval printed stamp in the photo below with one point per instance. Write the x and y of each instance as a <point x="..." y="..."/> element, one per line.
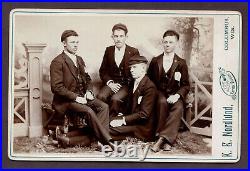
<point x="228" y="83"/>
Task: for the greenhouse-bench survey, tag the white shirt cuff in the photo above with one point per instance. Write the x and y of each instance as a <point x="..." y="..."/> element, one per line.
<point x="124" y="121"/>
<point x="109" y="81"/>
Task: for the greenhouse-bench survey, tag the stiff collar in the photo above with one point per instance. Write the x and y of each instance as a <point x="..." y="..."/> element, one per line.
<point x="72" y="57"/>
<point x="168" y="58"/>
<point x="120" y="50"/>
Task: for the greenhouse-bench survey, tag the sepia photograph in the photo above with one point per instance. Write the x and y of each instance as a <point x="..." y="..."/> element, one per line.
<point x="124" y="85"/>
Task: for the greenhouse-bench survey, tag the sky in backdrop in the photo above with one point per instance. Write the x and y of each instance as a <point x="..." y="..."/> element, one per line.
<point x="144" y="32"/>
<point x="95" y="34"/>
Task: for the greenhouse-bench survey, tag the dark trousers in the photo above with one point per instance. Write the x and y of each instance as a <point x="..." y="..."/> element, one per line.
<point x="97" y="115"/>
<point x="121" y="132"/>
<point x="116" y="99"/>
<point x="168" y="117"/>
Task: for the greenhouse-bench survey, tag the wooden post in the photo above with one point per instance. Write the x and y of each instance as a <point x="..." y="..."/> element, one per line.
<point x="34" y="53"/>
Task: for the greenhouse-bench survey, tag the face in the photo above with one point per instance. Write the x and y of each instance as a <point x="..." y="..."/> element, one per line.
<point x="71" y="44"/>
<point x="169" y="43"/>
<point x="119" y="38"/>
<point x="138" y="70"/>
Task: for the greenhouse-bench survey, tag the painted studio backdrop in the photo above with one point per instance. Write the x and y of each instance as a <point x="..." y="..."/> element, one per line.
<point x="144" y="32"/>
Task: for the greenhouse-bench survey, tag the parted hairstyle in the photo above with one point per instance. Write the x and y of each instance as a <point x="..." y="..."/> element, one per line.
<point x="171" y="33"/>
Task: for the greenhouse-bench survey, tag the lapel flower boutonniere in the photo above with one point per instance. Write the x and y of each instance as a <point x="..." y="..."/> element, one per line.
<point x="139" y="100"/>
<point x="177" y="76"/>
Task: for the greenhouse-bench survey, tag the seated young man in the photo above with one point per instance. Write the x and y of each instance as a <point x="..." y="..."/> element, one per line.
<point x="169" y="72"/>
<point x="138" y="121"/>
<point x="114" y="70"/>
<point x="72" y="88"/>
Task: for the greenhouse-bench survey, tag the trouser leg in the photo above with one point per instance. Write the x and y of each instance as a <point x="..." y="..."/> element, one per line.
<point x="105" y="93"/>
<point x="117" y="99"/>
<point x="169" y="129"/>
<point x="169" y="118"/>
<point x="98" y="122"/>
<point x="121" y="132"/>
<point x="161" y="111"/>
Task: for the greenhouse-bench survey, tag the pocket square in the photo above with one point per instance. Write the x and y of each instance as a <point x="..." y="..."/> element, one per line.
<point x="177" y="76"/>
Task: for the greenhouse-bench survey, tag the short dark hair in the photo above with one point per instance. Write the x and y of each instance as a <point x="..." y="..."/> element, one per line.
<point x="68" y="33"/>
<point x="121" y="27"/>
<point x="171" y="33"/>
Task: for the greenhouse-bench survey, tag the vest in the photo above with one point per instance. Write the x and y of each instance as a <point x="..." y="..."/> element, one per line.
<point x="164" y="79"/>
<point x="81" y="81"/>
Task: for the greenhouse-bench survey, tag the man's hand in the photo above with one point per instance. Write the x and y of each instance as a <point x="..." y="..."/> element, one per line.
<point x="115" y="87"/>
<point x="117" y="122"/>
<point x="81" y="100"/>
<point x="89" y="95"/>
<point x="173" y="98"/>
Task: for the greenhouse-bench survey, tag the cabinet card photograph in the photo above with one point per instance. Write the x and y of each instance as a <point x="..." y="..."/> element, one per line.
<point x="124" y="85"/>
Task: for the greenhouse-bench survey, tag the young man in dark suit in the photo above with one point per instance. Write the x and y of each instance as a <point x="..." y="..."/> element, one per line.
<point x="138" y="121"/>
<point x="114" y="70"/>
<point x="72" y="88"/>
<point x="169" y="72"/>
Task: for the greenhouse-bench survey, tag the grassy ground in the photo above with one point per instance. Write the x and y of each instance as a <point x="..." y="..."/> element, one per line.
<point x="186" y="143"/>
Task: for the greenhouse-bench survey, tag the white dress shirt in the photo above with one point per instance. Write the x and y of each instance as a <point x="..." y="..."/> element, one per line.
<point x="137" y="82"/>
<point x="119" y="53"/>
<point x="167" y="61"/>
<point x="72" y="57"/>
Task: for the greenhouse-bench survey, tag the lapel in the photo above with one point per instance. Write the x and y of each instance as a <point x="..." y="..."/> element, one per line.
<point x="160" y="65"/>
<point x="125" y="56"/>
<point x="112" y="56"/>
<point x="81" y="65"/>
<point x="70" y="64"/>
<point x="173" y="67"/>
<point x="137" y="92"/>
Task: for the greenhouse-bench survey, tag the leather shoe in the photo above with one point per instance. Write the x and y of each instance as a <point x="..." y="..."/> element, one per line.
<point x="99" y="146"/>
<point x="63" y="140"/>
<point x="112" y="145"/>
<point x="57" y="132"/>
<point x="158" y="145"/>
<point x="167" y="147"/>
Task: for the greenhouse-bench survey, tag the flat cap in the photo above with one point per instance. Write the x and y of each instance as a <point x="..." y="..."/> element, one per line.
<point x="120" y="26"/>
<point x="68" y="33"/>
<point x="137" y="59"/>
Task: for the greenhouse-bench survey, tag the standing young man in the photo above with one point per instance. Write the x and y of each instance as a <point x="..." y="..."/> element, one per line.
<point x="114" y="70"/>
<point x="169" y="72"/>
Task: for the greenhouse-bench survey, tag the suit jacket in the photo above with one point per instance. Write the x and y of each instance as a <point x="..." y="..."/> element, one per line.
<point x="141" y="105"/>
<point x="109" y="69"/>
<point x="156" y="70"/>
<point x="64" y="81"/>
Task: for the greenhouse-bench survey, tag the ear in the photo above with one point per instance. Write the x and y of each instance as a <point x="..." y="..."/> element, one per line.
<point x="64" y="43"/>
<point x="144" y="66"/>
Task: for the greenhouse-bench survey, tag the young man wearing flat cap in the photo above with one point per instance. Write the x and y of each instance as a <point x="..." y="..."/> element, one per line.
<point x="138" y="120"/>
<point x="169" y="72"/>
<point x="72" y="88"/>
<point x="114" y="70"/>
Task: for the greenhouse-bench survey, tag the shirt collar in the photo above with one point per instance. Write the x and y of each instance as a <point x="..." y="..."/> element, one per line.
<point x="70" y="54"/>
<point x="168" y="57"/>
<point x="120" y="50"/>
<point x="138" y="80"/>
